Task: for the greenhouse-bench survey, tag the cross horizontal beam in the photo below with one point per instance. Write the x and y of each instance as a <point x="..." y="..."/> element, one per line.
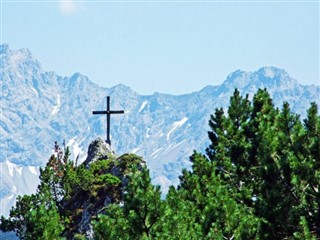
<point x="108" y="112"/>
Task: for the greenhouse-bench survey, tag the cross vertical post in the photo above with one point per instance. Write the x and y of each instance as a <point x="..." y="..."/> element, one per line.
<point x="108" y="121"/>
<point x="108" y="113"/>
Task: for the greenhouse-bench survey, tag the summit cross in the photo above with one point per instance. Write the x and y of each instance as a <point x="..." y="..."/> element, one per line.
<point x="108" y="112"/>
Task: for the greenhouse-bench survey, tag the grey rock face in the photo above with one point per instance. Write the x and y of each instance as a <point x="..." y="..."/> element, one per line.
<point x="98" y="150"/>
<point x="85" y="225"/>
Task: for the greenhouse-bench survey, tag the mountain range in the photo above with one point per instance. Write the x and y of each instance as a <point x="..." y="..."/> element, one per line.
<point x="39" y="107"/>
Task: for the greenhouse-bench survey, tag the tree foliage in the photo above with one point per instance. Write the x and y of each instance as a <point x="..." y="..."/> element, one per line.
<point x="139" y="216"/>
<point x="270" y="160"/>
<point x="65" y="192"/>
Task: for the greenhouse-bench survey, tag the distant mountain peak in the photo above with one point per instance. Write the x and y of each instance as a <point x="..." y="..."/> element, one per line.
<point x="275" y="77"/>
<point x="122" y="89"/>
<point x="22" y="53"/>
<point x="236" y="79"/>
<point x="236" y="74"/>
<point x="271" y="72"/>
<point x="78" y="77"/>
<point x="19" y="60"/>
<point x="121" y="86"/>
<point x="265" y="77"/>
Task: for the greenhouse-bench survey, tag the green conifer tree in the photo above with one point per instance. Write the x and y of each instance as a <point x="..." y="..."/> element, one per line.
<point x="141" y="211"/>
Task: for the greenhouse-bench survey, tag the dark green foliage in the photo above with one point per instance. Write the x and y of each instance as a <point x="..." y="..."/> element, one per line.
<point x="64" y="193"/>
<point x="140" y="214"/>
<point x="214" y="206"/>
<point x="126" y="161"/>
<point x="270" y="162"/>
<point x="112" y="224"/>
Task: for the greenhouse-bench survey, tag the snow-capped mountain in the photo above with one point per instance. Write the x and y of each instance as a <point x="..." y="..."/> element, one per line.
<point x="40" y="107"/>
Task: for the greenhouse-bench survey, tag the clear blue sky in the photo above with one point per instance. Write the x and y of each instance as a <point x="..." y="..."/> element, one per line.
<point x="171" y="47"/>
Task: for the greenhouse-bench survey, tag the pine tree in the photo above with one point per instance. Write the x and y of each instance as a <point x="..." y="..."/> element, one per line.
<point x="35" y="216"/>
<point x="215" y="210"/>
<point x="141" y="211"/>
<point x="270" y="161"/>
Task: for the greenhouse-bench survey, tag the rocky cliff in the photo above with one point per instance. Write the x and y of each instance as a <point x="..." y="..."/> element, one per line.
<point x="87" y="203"/>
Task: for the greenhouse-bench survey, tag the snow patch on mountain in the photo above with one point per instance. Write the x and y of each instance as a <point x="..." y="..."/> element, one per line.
<point x="176" y="125"/>
<point x="173" y="146"/>
<point x="10" y="197"/>
<point x="13" y="168"/>
<point x="35" y="91"/>
<point x="76" y="150"/>
<point x="34" y="170"/>
<point x="56" y="107"/>
<point x="16" y="180"/>
<point x="156" y="151"/>
<point x="10" y="167"/>
<point x="269" y="72"/>
<point x="19" y="170"/>
<point x="147" y="133"/>
<point x="143" y="105"/>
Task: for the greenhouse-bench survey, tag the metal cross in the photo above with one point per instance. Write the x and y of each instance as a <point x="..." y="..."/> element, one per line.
<point x="108" y="113"/>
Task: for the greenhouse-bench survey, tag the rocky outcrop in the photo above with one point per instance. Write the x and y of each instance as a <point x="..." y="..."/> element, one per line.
<point x="85" y="204"/>
<point x="98" y="150"/>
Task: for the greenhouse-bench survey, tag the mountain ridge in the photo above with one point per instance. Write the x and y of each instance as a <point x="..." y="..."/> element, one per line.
<point x="40" y="107"/>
